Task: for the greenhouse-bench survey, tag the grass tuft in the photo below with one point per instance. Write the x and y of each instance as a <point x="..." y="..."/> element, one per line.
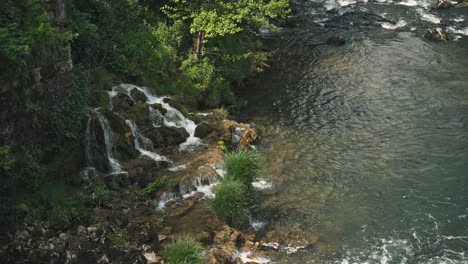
<point x="242" y="166"/>
<point x="185" y="250"/>
<point x="230" y="202"/>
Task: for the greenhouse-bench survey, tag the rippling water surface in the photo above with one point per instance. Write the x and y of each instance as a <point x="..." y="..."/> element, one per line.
<point x="367" y="143"/>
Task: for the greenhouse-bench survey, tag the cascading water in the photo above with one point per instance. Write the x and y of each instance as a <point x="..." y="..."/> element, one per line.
<point x="143" y="144"/>
<point x="116" y="168"/>
<point x="89" y="171"/>
<point x="172" y="117"/>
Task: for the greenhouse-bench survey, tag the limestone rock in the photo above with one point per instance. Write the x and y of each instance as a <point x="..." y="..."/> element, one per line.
<point x="437" y="34"/>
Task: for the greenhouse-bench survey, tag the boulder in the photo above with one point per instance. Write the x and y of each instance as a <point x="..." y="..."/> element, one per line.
<point x="442" y="4"/>
<point x="166" y="136"/>
<point x="122" y="102"/>
<point x="203" y="130"/>
<point x="437" y="34"/>
<point x="336" y="40"/>
<point x="138" y="96"/>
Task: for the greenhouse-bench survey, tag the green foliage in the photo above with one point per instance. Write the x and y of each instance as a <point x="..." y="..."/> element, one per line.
<point x="59" y="216"/>
<point x="118" y="238"/>
<point x="242" y="166"/>
<point x="160" y="182"/>
<point x="31" y="174"/>
<point x="100" y="195"/>
<point x="124" y="36"/>
<point x="185" y="250"/>
<point x="6" y="160"/>
<point x="225" y="17"/>
<point x="25" y="30"/>
<point x="230" y="202"/>
<point x="67" y="118"/>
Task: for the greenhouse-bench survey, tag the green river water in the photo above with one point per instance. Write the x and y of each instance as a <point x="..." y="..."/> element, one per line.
<point x="366" y="144"/>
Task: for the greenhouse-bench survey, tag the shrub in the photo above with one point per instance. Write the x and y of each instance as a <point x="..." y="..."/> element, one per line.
<point x="59" y="216"/>
<point x="185" y="250"/>
<point x="230" y="202"/>
<point x="153" y="186"/>
<point x="242" y="166"/>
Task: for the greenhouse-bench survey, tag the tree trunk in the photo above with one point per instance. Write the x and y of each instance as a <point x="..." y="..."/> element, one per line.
<point x="198" y="49"/>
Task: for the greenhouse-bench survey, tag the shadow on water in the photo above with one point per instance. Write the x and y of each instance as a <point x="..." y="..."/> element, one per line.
<point x="367" y="143"/>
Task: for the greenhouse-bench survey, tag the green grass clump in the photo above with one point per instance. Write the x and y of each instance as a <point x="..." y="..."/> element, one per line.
<point x="230" y="202"/>
<point x="242" y="166"/>
<point x="185" y="250"/>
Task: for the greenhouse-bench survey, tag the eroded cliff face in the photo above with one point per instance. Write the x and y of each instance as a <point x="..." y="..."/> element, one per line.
<point x="30" y="92"/>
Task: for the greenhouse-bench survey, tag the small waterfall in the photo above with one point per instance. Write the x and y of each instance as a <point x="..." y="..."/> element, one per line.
<point x="201" y="184"/>
<point x="172" y="117"/>
<point x="108" y="136"/>
<point x="165" y="198"/>
<point x="143" y="144"/>
<point x="89" y="171"/>
<point x="156" y="117"/>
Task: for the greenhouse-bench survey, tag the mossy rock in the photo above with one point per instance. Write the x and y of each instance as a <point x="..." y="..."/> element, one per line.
<point x="117" y="123"/>
<point x="166" y="136"/>
<point x="138" y="96"/>
<point x="159" y="107"/>
<point x="140" y="114"/>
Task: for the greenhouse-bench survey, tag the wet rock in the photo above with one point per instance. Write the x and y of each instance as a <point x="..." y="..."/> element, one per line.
<point x="442" y="4"/>
<point x="221" y="256"/>
<point x="291" y="238"/>
<point x="336" y="40"/>
<point x="138" y="96"/>
<point x="122" y="102"/>
<point x="203" y="130"/>
<point x="294" y="21"/>
<point x="437" y="34"/>
<point x="243" y="136"/>
<point x="116" y="181"/>
<point x="204" y="237"/>
<point x="166" y="136"/>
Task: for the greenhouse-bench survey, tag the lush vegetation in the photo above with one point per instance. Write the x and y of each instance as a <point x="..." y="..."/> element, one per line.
<point x="195" y="50"/>
<point x="242" y="166"/>
<point x="230" y="203"/>
<point x="236" y="190"/>
<point x="185" y="250"/>
<point x="160" y="182"/>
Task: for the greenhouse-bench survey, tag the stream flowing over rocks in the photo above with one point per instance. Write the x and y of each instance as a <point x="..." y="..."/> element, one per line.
<point x="139" y="138"/>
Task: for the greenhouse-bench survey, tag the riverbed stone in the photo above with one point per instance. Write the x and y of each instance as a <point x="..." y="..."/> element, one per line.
<point x="437" y="34"/>
<point x="203" y="130"/>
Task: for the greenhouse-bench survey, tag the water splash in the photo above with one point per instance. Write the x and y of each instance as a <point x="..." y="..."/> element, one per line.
<point x="109" y="144"/>
<point x="200" y="184"/>
<point x="143" y="144"/>
<point x="89" y="171"/>
<point x="165" y="198"/>
<point x="172" y="117"/>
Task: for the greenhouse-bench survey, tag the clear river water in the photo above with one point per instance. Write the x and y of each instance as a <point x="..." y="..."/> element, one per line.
<point x="366" y="144"/>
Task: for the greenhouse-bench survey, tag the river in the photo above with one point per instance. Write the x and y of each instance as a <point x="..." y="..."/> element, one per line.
<point x="366" y="144"/>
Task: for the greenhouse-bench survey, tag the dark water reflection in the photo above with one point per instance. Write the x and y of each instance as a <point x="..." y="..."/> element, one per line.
<point x="366" y="144"/>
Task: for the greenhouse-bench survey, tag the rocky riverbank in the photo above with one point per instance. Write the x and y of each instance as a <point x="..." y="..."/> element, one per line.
<point x="128" y="145"/>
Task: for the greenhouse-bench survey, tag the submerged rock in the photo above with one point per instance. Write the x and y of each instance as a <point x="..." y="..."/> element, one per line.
<point x="437" y="34"/>
<point x="442" y="4"/>
<point x="336" y="40"/>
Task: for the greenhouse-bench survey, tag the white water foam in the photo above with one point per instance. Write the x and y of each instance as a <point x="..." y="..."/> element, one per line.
<point x="262" y="184"/>
<point x="399" y="24"/>
<point x="143" y="144"/>
<point x="165" y="198"/>
<point x="116" y="168"/>
<point x="200" y="184"/>
<point x="177" y="168"/>
<point x="246" y="258"/>
<point x="172" y="117"/>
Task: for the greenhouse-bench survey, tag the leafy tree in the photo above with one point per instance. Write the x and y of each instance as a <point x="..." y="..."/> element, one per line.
<point x="212" y="18"/>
